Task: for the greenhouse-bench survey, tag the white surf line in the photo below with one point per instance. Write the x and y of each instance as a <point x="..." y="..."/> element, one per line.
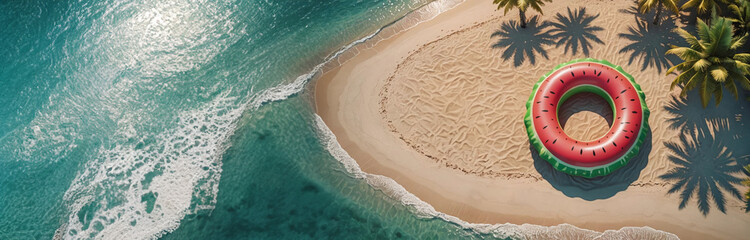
<point x="120" y="219"/>
<point x="423" y="209"/>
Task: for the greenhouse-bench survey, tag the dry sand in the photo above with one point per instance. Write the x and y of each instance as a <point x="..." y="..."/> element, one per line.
<point x="438" y="109"/>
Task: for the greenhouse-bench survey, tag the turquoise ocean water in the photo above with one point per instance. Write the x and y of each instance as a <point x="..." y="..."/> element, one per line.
<point x="140" y="119"/>
<point x="184" y="119"/>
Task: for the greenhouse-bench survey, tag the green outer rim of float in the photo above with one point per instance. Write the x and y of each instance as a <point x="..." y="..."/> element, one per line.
<point x="587" y="172"/>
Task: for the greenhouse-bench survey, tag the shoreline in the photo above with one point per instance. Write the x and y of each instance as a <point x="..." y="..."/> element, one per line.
<point x="347" y="98"/>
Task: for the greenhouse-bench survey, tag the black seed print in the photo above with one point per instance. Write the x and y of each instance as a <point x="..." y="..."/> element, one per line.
<point x="553" y="142"/>
<point x="572" y="74"/>
<point x="561" y="81"/>
<point x="545" y="127"/>
<point x="605" y="151"/>
<point x="545" y="110"/>
<point x="613" y="143"/>
<point x="623" y="91"/>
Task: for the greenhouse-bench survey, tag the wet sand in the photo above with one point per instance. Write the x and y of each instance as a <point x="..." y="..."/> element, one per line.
<point x="438" y="109"/>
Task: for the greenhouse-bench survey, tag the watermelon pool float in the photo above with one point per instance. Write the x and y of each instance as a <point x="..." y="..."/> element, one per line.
<point x="587" y="158"/>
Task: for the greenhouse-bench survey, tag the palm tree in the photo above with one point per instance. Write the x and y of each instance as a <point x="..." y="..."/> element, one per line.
<point x="522" y="6"/>
<point x="703" y="167"/>
<point x="647" y="5"/>
<point x="703" y="6"/>
<point x="711" y="62"/>
<point x="742" y="12"/>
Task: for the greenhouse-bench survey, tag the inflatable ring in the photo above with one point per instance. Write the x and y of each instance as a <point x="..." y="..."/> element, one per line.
<point x="593" y="158"/>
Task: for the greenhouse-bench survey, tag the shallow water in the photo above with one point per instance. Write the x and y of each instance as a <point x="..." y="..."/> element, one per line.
<point x="192" y="119"/>
<point x="184" y="119"/>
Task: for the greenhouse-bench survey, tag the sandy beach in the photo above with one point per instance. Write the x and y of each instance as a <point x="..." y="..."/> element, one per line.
<point x="439" y="108"/>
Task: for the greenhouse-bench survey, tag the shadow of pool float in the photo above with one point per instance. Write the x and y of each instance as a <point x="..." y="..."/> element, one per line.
<point x="599" y="187"/>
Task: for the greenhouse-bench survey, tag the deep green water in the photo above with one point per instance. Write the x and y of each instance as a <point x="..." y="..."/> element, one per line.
<point x="183" y="119"/>
<point x="140" y="119"/>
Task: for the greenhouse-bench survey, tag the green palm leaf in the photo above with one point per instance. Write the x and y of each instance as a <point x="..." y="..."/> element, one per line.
<point x="648" y="5"/>
<point x="703" y="6"/>
<point x="741" y="12"/>
<point x="710" y="62"/>
<point x="522" y="6"/>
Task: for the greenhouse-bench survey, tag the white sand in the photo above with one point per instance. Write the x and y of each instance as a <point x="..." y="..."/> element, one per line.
<point x="437" y="109"/>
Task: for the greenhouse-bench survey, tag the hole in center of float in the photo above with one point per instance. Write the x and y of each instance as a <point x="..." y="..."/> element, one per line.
<point x="585" y="116"/>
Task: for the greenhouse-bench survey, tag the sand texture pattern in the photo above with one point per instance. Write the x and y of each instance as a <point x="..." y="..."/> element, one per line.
<point x="439" y="109"/>
<point x="459" y="102"/>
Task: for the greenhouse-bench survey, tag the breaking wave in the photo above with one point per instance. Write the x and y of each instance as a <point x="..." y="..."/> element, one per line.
<point x="423" y="209"/>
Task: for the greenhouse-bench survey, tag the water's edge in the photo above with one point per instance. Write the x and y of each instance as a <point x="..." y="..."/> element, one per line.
<point x="397" y="192"/>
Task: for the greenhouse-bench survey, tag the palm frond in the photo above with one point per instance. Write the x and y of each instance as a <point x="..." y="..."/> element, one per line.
<point x="710" y="62"/>
<point x="719" y="73"/>
<point x="689" y="38"/>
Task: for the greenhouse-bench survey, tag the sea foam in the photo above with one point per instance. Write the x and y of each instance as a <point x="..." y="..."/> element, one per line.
<point x="423" y="209"/>
<point x="142" y="190"/>
<point x="176" y="176"/>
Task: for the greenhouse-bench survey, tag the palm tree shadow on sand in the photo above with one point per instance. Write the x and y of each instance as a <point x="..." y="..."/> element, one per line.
<point x="575" y="31"/>
<point x="711" y="152"/>
<point x="650" y="42"/>
<point x="592" y="188"/>
<point x="706" y="169"/>
<point x="521" y="43"/>
<point x="687" y="115"/>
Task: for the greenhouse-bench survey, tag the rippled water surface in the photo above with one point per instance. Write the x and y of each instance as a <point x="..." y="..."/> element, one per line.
<point x="183" y="120"/>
